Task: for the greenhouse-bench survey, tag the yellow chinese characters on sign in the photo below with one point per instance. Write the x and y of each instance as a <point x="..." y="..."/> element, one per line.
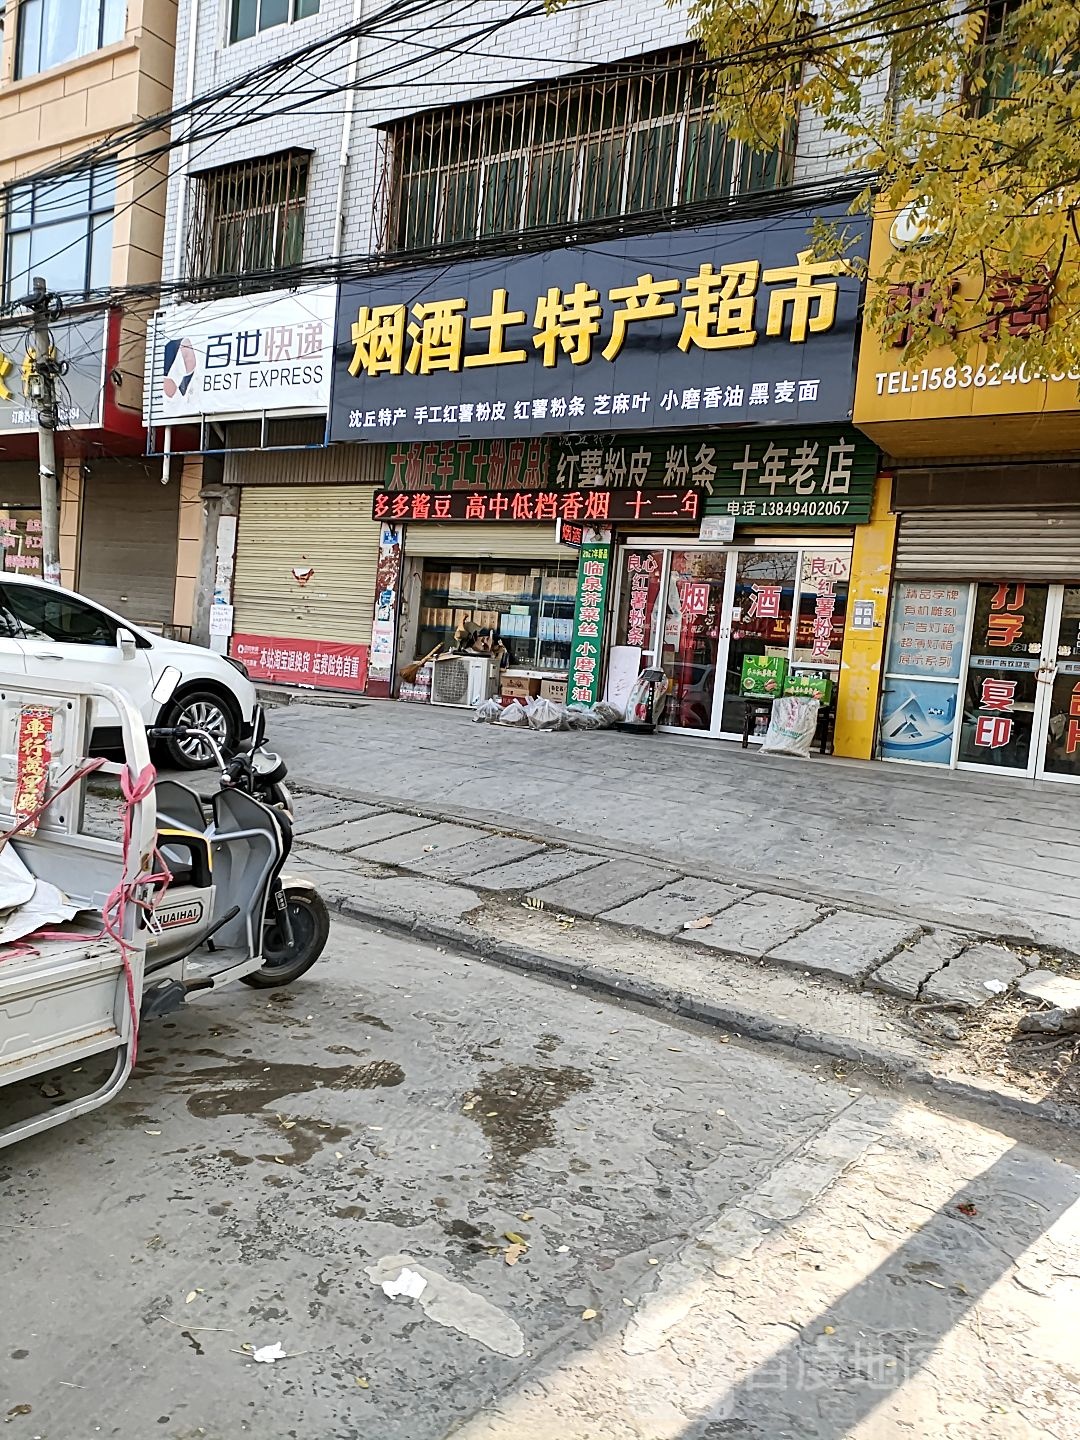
<point x="33" y="755"/>
<point x="940" y="405"/>
<point x="716" y="308"/>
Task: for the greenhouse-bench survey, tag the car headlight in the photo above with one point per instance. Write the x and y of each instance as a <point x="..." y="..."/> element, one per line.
<point x="237" y="666"/>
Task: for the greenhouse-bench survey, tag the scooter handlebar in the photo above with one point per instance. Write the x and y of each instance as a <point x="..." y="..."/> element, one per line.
<point x="183" y="732"/>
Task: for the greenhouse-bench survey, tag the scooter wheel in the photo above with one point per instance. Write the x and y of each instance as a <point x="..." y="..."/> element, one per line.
<point x="310" y="921"/>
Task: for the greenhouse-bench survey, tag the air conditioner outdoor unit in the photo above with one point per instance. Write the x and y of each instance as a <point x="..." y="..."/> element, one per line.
<point x="466" y="680"/>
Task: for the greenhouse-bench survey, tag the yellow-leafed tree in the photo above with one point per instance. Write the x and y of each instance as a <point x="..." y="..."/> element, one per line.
<point x="965" y="115"/>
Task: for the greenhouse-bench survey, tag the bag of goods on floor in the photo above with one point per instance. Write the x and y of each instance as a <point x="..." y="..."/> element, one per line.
<point x="542" y="714"/>
<point x="791" y="727"/>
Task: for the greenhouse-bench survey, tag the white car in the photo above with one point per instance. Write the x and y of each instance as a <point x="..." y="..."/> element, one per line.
<point x="47" y="631"/>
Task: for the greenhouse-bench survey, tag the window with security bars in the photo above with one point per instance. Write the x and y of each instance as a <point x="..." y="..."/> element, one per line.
<point x="631" y="138"/>
<point x="249" y="218"/>
<point x="1000" y="38"/>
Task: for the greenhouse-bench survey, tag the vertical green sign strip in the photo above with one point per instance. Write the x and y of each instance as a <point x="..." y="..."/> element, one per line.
<point x="594" y="567"/>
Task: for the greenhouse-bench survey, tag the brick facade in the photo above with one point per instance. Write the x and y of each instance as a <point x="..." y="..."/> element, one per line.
<point x="541" y="47"/>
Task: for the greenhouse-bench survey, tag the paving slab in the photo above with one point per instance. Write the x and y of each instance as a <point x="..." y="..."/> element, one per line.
<point x="846" y="945"/>
<point x="539" y="869"/>
<point x="666" y="911"/>
<point x="414" y="846"/>
<point x="477" y="854"/>
<point x="610" y="884"/>
<point x="307" y="860"/>
<point x="906" y="973"/>
<point x="319" y="812"/>
<point x="855" y="834"/>
<point x="756" y="925"/>
<point x="975" y="976"/>
<point x="402" y="899"/>
<point x="354" y="833"/>
<point x="1061" y="991"/>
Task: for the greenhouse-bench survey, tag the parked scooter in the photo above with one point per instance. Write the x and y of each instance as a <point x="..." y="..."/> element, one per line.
<point x="254" y="769"/>
<point x="229" y="913"/>
<point x="259" y="771"/>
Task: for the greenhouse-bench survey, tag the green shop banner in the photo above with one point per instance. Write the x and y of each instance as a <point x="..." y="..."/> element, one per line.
<point x="817" y="474"/>
<point x="436" y="466"/>
<point x="594" y="568"/>
<point x="803" y="476"/>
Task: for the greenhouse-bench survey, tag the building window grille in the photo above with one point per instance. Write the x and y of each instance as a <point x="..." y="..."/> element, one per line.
<point x="249" y="218"/>
<point x="631" y="138"/>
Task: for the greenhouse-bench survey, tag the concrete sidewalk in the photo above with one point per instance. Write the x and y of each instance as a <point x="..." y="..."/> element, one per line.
<point x="756" y="964"/>
<point x="998" y="859"/>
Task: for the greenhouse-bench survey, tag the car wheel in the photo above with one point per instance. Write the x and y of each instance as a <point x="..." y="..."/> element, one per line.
<point x="204" y="711"/>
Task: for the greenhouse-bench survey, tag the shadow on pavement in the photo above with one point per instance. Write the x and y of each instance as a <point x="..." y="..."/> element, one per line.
<point x="883" y="1332"/>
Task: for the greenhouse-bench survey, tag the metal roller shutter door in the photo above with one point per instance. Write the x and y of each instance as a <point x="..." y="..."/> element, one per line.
<point x="325" y="527"/>
<point x="127" y="547"/>
<point x="485" y="542"/>
<point x="989" y="545"/>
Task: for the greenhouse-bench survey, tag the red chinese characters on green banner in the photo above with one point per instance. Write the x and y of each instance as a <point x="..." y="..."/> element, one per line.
<point x="594" y="567"/>
<point x="439" y="466"/>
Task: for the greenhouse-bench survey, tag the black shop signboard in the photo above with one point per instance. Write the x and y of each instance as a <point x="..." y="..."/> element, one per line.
<point x="824" y="474"/>
<point x="731" y="324"/>
<point x="591" y="507"/>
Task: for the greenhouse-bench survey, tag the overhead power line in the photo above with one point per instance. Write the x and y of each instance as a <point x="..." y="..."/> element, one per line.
<point x="247" y="100"/>
<point x="390" y="24"/>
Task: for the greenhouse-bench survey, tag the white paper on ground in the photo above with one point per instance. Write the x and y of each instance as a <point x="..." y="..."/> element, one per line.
<point x="407" y="1282"/>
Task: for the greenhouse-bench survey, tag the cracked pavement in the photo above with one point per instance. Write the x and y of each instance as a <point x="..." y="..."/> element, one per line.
<point x="709" y="1238"/>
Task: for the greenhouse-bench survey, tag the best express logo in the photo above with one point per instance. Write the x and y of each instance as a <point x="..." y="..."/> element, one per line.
<point x="179" y="368"/>
<point x="257" y="358"/>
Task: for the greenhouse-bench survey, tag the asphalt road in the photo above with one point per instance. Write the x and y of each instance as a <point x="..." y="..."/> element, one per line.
<point x="619" y="1229"/>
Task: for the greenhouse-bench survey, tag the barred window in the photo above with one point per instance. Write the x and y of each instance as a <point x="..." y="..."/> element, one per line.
<point x="633" y="137"/>
<point x="249" y="217"/>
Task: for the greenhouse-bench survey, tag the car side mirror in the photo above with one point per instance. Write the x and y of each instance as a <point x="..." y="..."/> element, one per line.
<point x="126" y="640"/>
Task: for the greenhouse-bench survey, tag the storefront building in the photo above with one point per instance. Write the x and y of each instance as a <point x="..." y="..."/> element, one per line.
<point x="120" y="527"/>
<point x="692" y="415"/>
<point x="982" y="665"/>
<point x="506" y="575"/>
<point x="289" y="560"/>
<point x="68" y="88"/>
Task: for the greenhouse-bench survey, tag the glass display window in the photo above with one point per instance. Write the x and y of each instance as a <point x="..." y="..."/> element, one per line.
<point x="529" y="606"/>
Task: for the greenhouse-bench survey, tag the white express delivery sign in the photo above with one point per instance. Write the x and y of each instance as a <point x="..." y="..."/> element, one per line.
<point x="241" y="356"/>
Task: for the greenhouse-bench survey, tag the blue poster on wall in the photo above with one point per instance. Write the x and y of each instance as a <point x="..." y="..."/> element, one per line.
<point x="929" y="623"/>
<point x="917" y="720"/>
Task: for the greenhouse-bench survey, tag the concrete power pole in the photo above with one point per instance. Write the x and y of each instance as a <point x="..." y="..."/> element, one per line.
<point x="41" y="389"/>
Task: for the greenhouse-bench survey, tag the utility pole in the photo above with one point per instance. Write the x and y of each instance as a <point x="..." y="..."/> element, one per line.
<point x="41" y="389"/>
